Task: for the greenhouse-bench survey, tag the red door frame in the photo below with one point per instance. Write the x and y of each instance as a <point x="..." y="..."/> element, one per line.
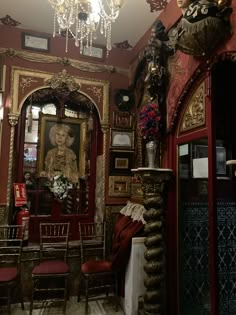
<point x="172" y="255"/>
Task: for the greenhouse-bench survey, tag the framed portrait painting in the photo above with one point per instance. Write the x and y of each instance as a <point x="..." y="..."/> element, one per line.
<point x="61" y="142"/>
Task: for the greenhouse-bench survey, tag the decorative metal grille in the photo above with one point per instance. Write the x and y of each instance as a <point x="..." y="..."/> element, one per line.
<point x="226" y="217"/>
<point x="194" y="260"/>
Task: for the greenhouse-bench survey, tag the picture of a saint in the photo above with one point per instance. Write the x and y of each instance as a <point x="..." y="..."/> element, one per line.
<point x="61" y="159"/>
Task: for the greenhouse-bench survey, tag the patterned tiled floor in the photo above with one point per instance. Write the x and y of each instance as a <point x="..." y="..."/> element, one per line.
<point x="96" y="307"/>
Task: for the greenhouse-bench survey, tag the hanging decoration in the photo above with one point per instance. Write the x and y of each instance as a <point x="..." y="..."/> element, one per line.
<point x="81" y="20"/>
<point x="204" y="25"/>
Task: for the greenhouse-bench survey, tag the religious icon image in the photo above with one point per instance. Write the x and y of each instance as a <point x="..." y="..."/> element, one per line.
<point x="61" y="158"/>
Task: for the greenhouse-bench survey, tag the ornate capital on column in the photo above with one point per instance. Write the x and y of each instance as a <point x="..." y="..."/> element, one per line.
<point x="154" y="182"/>
<point x="105" y="128"/>
<point x="153" y="179"/>
<point x="13" y="119"/>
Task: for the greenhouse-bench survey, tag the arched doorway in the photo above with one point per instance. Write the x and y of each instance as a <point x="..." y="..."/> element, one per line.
<point x="41" y="112"/>
<point x="207" y="195"/>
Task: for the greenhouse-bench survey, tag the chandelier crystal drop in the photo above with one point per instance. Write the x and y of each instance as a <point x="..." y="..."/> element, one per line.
<point x="81" y="20"/>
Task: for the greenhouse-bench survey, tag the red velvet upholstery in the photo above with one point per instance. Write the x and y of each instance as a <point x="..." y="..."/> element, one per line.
<point x="11" y="239"/>
<point x="96" y="271"/>
<point x="51" y="267"/>
<point x="125" y="228"/>
<point x="8" y="274"/>
<point x="93" y="266"/>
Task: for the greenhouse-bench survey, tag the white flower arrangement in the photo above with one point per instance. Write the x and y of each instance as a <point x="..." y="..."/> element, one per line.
<point x="60" y="186"/>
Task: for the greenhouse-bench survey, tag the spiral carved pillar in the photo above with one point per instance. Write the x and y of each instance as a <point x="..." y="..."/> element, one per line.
<point x="154" y="182"/>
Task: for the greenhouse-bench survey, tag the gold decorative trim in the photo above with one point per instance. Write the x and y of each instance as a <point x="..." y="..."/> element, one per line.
<point x="77" y="64"/>
<point x="13" y="120"/>
<point x="119" y="186"/>
<point x="195" y="113"/>
<point x="100" y="90"/>
<point x="96" y="91"/>
<point x="105" y="130"/>
<point x="61" y="79"/>
<point x="17" y="73"/>
<point x="25" y="83"/>
<point x="157" y="5"/>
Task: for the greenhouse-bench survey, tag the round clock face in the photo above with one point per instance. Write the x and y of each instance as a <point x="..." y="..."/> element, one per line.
<point x="124" y="100"/>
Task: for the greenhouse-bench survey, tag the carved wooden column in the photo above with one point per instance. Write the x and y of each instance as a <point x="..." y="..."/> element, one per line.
<point x="154" y="182"/>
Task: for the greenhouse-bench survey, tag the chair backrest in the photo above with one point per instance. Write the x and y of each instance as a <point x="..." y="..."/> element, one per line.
<point x="11" y="241"/>
<point x="54" y="239"/>
<point x="92" y="240"/>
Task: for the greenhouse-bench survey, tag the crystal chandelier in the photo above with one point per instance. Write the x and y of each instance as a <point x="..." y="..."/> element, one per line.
<point x="81" y="19"/>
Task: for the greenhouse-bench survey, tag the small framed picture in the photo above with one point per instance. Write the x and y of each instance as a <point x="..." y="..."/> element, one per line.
<point x="119" y="186"/>
<point x="121" y="162"/>
<point x="35" y="42"/>
<point x="123" y="120"/>
<point x="122" y="139"/>
<point x="94" y="52"/>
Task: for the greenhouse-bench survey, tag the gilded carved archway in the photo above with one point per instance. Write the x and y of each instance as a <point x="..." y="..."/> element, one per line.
<point x="195" y="113"/>
<point x="25" y="81"/>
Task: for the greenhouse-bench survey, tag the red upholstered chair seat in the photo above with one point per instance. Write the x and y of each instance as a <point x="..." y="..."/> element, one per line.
<point x="11" y="239"/>
<point x="96" y="273"/>
<point x="92" y="266"/>
<point x="51" y="267"/>
<point x="8" y="274"/>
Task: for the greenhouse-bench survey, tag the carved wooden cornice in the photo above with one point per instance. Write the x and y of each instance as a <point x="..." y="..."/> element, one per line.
<point x="8" y="20"/>
<point x="157" y="5"/>
<point x="77" y="64"/>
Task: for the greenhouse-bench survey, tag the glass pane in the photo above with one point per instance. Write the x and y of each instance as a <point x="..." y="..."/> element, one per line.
<point x="30" y="157"/>
<point x="31" y="131"/>
<point x="49" y="109"/>
<point x="32" y="112"/>
<point x="193" y="228"/>
<point x="71" y="113"/>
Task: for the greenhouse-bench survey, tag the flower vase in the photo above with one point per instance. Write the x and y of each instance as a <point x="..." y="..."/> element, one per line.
<point x="151" y="149"/>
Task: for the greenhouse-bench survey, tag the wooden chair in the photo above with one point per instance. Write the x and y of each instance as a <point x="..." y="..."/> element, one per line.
<point x="11" y="240"/>
<point x="96" y="270"/>
<point x="50" y="276"/>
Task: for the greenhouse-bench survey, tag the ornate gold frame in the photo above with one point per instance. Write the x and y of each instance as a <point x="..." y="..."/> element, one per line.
<point x="119" y="186"/>
<point x="78" y="125"/>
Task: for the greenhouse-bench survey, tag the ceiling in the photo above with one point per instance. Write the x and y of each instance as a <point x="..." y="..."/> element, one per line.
<point x="134" y="20"/>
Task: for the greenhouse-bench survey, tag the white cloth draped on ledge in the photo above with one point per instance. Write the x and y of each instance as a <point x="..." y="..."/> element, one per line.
<point x="134" y="210"/>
